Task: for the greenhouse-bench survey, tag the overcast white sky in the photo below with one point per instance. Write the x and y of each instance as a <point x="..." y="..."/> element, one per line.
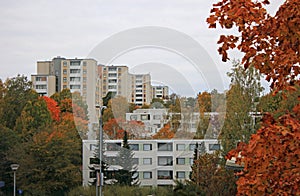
<point x="31" y="31"/>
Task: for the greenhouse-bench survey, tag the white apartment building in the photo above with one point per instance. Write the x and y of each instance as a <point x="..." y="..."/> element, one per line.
<point x="136" y="88"/>
<point x="141" y="89"/>
<point x="115" y="79"/>
<point x="159" y="162"/>
<point x="153" y="119"/>
<point x="160" y="92"/>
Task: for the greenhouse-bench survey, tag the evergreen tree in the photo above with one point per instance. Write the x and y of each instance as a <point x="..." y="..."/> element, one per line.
<point x="127" y="175"/>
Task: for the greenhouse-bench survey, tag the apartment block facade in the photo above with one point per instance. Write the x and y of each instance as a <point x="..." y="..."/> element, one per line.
<point x="153" y="119"/>
<point x="115" y="79"/>
<point x="136" y="88"/>
<point x="141" y="89"/>
<point x="160" y="92"/>
<point x="159" y="162"/>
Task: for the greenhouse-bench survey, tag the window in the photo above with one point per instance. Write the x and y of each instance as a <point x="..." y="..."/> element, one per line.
<point x="180" y="174"/>
<point x="165" y="161"/>
<point x="84" y="63"/>
<point x="147" y="161"/>
<point x="41" y="78"/>
<point x="112" y="87"/>
<point x="65" y="86"/>
<point x="112" y="69"/>
<point x="64" y="71"/>
<point x="84" y="79"/>
<point x="165" y="146"/>
<point x="84" y="71"/>
<point x="75" y="79"/>
<point x="112" y="81"/>
<point x="180" y="147"/>
<point x="74" y="71"/>
<point x="112" y="75"/>
<point x="192" y="147"/>
<point x="147" y="147"/>
<point x="147" y="175"/>
<point x="214" y="147"/>
<point x="113" y="146"/>
<point x="74" y="63"/>
<point x="180" y="161"/>
<point x="65" y="63"/>
<point x="134" y="147"/>
<point x="41" y="86"/>
<point x="133" y="117"/>
<point x="165" y="174"/>
<point x="65" y="79"/>
<point x="74" y="86"/>
<point x="145" y="116"/>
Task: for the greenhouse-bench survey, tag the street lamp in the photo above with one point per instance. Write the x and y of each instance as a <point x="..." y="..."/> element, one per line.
<point x="100" y="177"/>
<point x="14" y="167"/>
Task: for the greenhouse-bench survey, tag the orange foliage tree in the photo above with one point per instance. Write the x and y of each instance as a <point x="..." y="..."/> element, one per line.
<point x="53" y="108"/>
<point x="113" y="128"/>
<point x="164" y="133"/>
<point x="270" y="43"/>
<point x="271" y="159"/>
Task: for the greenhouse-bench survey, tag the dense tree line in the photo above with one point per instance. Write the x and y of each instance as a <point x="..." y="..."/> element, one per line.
<point x="39" y="134"/>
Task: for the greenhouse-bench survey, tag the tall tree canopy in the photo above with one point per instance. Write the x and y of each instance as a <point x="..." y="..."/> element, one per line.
<point x="270" y="43"/>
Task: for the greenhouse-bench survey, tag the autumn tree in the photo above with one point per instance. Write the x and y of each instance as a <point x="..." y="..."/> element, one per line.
<point x="210" y="177"/>
<point x="271" y="159"/>
<point x="113" y="128"/>
<point x="47" y="147"/>
<point x="164" y="133"/>
<point x="135" y="129"/>
<point x="271" y="45"/>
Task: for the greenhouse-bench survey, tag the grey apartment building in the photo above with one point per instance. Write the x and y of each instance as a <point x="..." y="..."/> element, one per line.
<point x="159" y="162"/>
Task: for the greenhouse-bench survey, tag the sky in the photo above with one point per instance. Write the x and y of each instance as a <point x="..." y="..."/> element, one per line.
<point x="34" y="31"/>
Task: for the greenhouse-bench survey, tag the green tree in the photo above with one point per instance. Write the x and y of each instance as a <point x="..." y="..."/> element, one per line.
<point x="127" y="175"/>
<point x="34" y="117"/>
<point x="8" y="139"/>
<point x="241" y="99"/>
<point x="17" y="93"/>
